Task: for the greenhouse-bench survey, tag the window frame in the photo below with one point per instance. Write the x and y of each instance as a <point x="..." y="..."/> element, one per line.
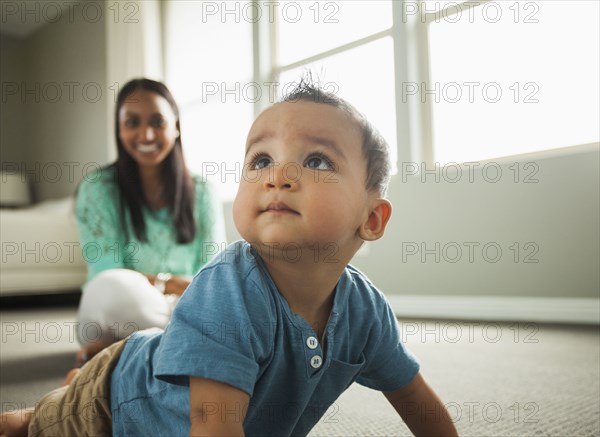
<point x="418" y="60"/>
<point x="411" y="59"/>
<point x="267" y="69"/>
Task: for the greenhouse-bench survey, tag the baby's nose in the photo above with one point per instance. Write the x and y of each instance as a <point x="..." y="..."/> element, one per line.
<point x="284" y="176"/>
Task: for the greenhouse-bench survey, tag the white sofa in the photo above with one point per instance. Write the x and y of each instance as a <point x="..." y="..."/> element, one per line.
<point x="40" y="248"/>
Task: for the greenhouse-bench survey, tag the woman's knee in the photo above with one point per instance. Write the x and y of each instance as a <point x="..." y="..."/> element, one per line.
<point x="118" y="302"/>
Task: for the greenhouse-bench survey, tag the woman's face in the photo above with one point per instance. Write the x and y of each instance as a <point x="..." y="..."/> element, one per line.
<point x="148" y="127"/>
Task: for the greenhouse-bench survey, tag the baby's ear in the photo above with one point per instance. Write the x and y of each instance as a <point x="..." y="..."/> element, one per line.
<point x="379" y="215"/>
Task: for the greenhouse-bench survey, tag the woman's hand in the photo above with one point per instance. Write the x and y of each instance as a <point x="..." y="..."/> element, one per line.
<point x="175" y="285"/>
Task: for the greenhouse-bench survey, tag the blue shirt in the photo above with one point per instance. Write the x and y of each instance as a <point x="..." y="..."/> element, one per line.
<point x="233" y="326"/>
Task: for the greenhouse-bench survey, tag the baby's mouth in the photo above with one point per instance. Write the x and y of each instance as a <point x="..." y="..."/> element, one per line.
<point x="147" y="148"/>
<point x="280" y="208"/>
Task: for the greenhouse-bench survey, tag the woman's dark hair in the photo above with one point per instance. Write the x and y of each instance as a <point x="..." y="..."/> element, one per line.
<point x="178" y="184"/>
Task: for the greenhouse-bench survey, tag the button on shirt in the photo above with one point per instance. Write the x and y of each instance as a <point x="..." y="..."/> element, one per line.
<point x="316" y="361"/>
<point x="312" y="342"/>
<point x="232" y="325"/>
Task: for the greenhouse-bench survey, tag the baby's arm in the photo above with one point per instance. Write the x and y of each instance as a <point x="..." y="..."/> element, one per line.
<point x="216" y="409"/>
<point x="421" y="409"/>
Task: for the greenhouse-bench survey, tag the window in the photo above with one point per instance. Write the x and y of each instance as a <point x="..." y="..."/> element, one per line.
<point x="312" y="28"/>
<point x="443" y="81"/>
<point x="208" y="67"/>
<point x="370" y="88"/>
<point x="349" y="47"/>
<point x="219" y="56"/>
<point x="510" y="77"/>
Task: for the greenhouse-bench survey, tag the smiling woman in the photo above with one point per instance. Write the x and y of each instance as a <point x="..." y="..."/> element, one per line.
<point x="150" y="224"/>
<point x="148" y="129"/>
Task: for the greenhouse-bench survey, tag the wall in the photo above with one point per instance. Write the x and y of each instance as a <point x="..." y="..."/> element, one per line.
<point x="12" y="112"/>
<point x="558" y="215"/>
<point x="61" y="104"/>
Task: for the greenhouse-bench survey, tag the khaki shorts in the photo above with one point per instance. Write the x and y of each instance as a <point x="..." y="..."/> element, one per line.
<point x="83" y="407"/>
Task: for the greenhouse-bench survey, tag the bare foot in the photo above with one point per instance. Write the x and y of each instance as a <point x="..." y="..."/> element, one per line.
<point x="72" y="374"/>
<point x="15" y="423"/>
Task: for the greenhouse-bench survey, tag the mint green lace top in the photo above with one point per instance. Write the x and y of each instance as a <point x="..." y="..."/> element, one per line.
<point x="104" y="244"/>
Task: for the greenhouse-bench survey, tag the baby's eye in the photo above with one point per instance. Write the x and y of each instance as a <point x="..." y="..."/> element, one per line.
<point x="319" y="162"/>
<point x="259" y="162"/>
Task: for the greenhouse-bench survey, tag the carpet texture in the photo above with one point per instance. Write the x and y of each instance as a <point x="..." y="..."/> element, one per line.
<point x="495" y="379"/>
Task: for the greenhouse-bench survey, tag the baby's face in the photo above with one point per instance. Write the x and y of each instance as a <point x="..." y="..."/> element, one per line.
<point x="303" y="182"/>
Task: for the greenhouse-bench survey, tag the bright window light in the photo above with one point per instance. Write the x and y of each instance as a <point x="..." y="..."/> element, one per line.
<point x="365" y="77"/>
<point x="208" y="63"/>
<point x="308" y="28"/>
<point x="514" y="77"/>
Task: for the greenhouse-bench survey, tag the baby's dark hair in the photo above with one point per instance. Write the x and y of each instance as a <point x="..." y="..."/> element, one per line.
<point x="374" y="146"/>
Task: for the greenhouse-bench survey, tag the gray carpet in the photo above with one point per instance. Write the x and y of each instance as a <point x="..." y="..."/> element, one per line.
<point x="495" y="379"/>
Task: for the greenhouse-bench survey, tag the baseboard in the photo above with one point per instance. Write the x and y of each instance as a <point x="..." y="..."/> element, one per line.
<point x="510" y="309"/>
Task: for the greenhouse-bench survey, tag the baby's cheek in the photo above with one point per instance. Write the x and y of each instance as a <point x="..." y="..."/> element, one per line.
<point x="241" y="211"/>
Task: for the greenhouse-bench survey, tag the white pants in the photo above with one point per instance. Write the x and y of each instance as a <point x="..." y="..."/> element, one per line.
<point x="117" y="302"/>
